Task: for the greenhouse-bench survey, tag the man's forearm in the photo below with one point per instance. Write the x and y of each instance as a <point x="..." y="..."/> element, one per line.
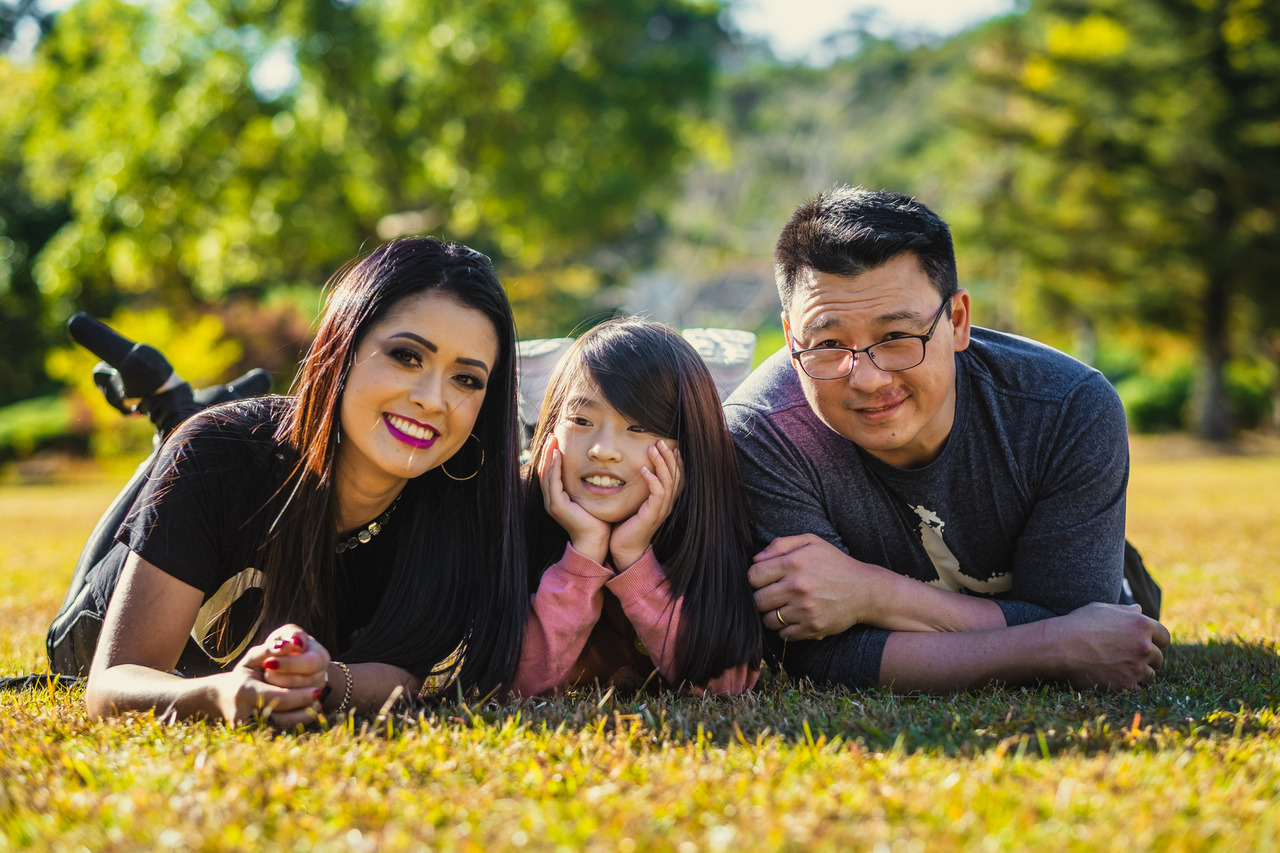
<point x="939" y="663"/>
<point x="1101" y="645"/>
<point x="905" y="604"/>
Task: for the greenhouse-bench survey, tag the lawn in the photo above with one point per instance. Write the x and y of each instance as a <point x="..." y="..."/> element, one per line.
<point x="1192" y="763"/>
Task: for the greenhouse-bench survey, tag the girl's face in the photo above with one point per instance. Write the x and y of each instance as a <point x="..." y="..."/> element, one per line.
<point x="414" y="390"/>
<point x="603" y="453"/>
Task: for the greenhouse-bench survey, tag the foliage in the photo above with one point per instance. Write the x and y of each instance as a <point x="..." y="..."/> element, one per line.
<point x="189" y="150"/>
<point x="1191" y="763"/>
<point x="1110" y="168"/>
<point x="25" y="227"/>
<point x="1155" y="375"/>
<point x="788" y="133"/>
<point x="1145" y="168"/>
<point x="34" y="424"/>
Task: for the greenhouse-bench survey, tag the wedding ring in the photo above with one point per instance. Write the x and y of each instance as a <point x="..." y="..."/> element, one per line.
<point x="782" y="623"/>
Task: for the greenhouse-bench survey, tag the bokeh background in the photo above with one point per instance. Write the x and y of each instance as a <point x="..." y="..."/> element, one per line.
<point x="194" y="171"/>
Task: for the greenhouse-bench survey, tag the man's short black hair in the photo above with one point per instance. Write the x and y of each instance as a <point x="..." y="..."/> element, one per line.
<point x="847" y="231"/>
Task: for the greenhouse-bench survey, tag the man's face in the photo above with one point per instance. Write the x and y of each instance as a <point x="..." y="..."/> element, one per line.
<point x="902" y="418"/>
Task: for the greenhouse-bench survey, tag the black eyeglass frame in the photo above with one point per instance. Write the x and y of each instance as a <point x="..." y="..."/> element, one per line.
<point x="871" y="357"/>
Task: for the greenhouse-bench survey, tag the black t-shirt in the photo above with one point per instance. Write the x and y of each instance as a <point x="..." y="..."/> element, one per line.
<point x="207" y="509"/>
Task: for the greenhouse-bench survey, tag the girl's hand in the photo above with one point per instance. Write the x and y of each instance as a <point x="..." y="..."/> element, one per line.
<point x="631" y="538"/>
<point x="281" y="678"/>
<point x="588" y="534"/>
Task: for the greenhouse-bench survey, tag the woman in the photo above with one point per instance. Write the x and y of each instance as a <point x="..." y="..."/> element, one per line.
<point x="364" y="532"/>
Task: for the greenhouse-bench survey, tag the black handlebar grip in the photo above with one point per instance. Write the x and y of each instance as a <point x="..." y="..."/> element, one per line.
<point x="99" y="338"/>
<point x="142" y="368"/>
<point x="255" y="383"/>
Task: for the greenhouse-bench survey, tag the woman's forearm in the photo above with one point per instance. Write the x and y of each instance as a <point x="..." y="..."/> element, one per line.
<point x="131" y="687"/>
<point x="368" y="687"/>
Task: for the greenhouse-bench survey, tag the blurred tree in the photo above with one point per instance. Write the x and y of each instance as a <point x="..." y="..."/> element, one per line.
<point x="25" y="224"/>
<point x="201" y="148"/>
<point x="1143" y="139"/>
<point x="883" y="116"/>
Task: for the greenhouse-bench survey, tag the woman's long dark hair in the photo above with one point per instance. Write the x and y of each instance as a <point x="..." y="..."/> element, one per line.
<point x="458" y="582"/>
<point x="652" y="377"/>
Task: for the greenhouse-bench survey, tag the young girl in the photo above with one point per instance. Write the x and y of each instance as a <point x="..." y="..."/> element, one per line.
<point x="638" y="532"/>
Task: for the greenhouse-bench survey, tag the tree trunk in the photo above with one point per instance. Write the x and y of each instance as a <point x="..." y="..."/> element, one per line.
<point x="1213" y="416"/>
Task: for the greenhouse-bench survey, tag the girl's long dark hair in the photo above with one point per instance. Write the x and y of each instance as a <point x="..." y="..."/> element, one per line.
<point x="458" y="582"/>
<point x="652" y="377"/>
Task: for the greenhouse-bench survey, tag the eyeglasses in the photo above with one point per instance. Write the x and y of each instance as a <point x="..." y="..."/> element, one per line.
<point x="892" y="355"/>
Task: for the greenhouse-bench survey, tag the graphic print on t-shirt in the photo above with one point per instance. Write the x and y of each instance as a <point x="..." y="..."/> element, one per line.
<point x="945" y="563"/>
<point x="223" y="601"/>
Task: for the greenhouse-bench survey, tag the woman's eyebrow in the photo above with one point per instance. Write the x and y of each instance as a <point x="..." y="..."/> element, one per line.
<point x="414" y="336"/>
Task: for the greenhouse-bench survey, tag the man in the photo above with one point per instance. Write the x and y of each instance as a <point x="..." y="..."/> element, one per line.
<point x="943" y="504"/>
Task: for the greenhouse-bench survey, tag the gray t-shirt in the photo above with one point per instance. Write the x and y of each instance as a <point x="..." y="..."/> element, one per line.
<point x="1025" y="504"/>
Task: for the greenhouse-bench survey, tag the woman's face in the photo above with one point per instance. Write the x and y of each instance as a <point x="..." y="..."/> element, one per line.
<point x="414" y="390"/>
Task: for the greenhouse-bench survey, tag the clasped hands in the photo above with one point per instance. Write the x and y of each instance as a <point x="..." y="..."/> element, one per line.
<point x="282" y="680"/>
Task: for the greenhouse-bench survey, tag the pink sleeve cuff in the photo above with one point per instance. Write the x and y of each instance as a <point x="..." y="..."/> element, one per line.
<point x="639" y="580"/>
<point x="575" y="563"/>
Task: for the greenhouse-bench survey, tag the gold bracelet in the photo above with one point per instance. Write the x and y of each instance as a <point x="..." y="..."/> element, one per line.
<point x="346" y="694"/>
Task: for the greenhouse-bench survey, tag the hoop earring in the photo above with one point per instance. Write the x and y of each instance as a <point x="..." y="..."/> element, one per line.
<point x="473" y="473"/>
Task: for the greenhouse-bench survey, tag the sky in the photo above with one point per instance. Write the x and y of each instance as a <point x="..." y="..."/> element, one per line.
<point x="795" y="28"/>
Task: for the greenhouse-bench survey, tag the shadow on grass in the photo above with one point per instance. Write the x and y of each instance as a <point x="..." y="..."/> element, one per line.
<point x="1205" y="691"/>
<point x="1215" y="692"/>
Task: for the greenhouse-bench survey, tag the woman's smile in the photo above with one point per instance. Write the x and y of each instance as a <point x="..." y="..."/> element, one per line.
<point x="410" y="431"/>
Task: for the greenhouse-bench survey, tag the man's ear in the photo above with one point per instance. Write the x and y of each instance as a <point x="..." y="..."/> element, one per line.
<point x="786" y="333"/>
<point x="960" y="320"/>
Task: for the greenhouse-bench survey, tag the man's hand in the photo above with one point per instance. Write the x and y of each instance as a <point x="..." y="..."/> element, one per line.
<point x="818" y="590"/>
<point x="815" y="588"/>
<point x="1109" y="646"/>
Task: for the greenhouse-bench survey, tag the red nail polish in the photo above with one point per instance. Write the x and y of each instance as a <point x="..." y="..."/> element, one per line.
<point x="271" y="664"/>
<point x="318" y="693"/>
<point x="278" y="646"/>
<point x="299" y="642"/>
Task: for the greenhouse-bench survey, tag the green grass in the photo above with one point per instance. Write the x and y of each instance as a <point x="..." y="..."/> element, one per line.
<point x="1192" y="763"/>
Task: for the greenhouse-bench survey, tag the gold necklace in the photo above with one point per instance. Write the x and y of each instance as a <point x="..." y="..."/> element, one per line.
<point x="374" y="528"/>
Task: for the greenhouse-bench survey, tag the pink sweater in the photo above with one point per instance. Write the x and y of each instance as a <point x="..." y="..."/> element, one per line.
<point x="587" y="623"/>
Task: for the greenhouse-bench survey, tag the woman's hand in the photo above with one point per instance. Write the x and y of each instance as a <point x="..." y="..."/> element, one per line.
<point x="631" y="538"/>
<point x="283" y="677"/>
<point x="294" y="659"/>
<point x="588" y="534"/>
